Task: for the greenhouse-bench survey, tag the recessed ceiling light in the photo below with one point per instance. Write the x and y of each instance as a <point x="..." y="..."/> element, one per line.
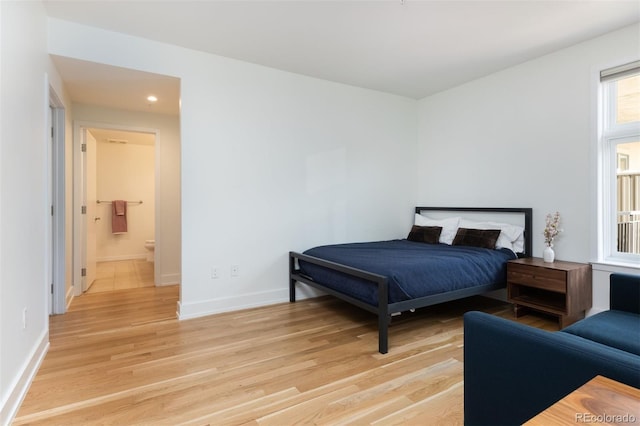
<point x="152" y="98"/>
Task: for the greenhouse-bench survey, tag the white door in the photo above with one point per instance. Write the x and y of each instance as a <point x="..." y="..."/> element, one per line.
<point x="90" y="218"/>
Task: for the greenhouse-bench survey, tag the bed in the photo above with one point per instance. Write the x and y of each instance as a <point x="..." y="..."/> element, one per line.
<point x="389" y="277"/>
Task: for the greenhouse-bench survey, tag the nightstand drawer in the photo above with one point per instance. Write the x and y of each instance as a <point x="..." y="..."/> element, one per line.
<point x="546" y="279"/>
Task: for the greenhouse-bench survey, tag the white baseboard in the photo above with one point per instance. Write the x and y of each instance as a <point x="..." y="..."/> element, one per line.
<point x="235" y="303"/>
<point x="595" y="310"/>
<point x="169" y="279"/>
<point x="245" y="301"/>
<point x="123" y="257"/>
<point x="20" y="386"/>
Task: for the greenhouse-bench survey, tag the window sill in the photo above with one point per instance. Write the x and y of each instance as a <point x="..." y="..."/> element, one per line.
<point x="616" y="266"/>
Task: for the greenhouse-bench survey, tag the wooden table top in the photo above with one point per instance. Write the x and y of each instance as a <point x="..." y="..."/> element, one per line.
<point x="600" y="400"/>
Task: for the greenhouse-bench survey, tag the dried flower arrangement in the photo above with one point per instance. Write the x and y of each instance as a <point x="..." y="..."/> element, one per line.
<point x="552" y="229"/>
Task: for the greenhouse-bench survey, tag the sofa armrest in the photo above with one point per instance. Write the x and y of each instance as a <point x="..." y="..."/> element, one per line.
<point x="513" y="371"/>
<point x="624" y="292"/>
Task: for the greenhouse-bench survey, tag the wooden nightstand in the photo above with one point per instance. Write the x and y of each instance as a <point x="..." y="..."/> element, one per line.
<point x="558" y="288"/>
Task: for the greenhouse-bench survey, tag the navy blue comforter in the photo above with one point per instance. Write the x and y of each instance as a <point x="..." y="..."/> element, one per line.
<point x="413" y="269"/>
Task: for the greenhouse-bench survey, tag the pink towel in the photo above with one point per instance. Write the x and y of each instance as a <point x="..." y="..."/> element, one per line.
<point x="118" y="216"/>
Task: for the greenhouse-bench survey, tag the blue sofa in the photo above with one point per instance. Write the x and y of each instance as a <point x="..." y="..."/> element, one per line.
<point x="513" y="372"/>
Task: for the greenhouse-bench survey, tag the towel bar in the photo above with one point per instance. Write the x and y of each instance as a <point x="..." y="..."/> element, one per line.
<point x="109" y="202"/>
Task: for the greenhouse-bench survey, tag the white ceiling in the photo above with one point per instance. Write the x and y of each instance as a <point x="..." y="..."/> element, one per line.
<point x="120" y="88"/>
<point x="412" y="48"/>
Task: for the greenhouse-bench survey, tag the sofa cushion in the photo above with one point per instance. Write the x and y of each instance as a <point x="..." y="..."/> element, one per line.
<point x="617" y="329"/>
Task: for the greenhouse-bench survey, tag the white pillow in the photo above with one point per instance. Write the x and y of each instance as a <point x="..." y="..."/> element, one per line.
<point x="518" y="244"/>
<point x="511" y="236"/>
<point x="449" y="226"/>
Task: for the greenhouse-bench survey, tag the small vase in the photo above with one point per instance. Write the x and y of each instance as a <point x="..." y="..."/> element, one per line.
<point x="548" y="255"/>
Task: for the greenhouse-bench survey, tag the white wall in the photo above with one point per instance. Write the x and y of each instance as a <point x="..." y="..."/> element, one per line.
<point x="168" y="238"/>
<point x="125" y="172"/>
<point x="271" y="162"/>
<point x="525" y="137"/>
<point x="23" y="191"/>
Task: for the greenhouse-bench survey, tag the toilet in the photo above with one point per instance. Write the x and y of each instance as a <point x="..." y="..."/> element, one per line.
<point x="150" y="245"/>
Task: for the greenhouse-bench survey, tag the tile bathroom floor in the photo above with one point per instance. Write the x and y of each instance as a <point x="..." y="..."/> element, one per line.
<point x="121" y="275"/>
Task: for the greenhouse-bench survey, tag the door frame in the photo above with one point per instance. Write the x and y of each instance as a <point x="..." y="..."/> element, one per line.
<point x="79" y="180"/>
<point x="58" y="292"/>
<point x="89" y="169"/>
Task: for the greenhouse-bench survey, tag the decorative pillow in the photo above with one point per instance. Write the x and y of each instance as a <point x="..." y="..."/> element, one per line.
<point x="449" y="226"/>
<point x="511" y="236"/>
<point x="485" y="238"/>
<point x="425" y="234"/>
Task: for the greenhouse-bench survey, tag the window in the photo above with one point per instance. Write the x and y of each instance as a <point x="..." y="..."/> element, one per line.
<point x="619" y="152"/>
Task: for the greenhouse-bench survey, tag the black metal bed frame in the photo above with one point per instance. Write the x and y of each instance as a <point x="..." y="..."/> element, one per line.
<point x="384" y="310"/>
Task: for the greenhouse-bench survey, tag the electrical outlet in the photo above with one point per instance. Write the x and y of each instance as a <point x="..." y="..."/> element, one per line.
<point x="215" y="272"/>
<point x="235" y="270"/>
<point x="24" y="318"/>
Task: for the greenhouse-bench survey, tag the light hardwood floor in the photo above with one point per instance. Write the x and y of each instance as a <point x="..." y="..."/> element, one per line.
<point x="122" y="358"/>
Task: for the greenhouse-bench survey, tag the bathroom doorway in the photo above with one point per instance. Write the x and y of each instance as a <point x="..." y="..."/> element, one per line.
<point x="118" y="99"/>
<point x="119" y="191"/>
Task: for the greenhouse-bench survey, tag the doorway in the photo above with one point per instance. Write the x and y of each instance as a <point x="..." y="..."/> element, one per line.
<point x="116" y="98"/>
<point x="117" y="249"/>
<point x="56" y="236"/>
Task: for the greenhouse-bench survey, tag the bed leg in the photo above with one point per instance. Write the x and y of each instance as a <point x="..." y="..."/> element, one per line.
<point x="383" y="316"/>
<point x="292" y="282"/>
<point x="292" y="291"/>
<point x="383" y="333"/>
